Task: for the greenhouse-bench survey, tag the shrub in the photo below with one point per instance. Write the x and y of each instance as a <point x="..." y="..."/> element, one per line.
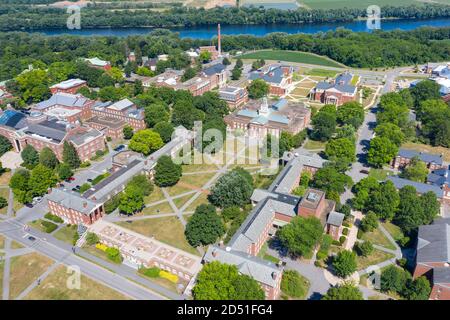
<point x="75" y="238"/>
<point x="342" y="239"/>
<point x="3" y="202"/>
<point x="53" y="217"/>
<point x="345" y="263"/>
<point x="359" y="234"/>
<point x="114" y="255"/>
<point x="404" y="241"/>
<point x="336" y="243"/>
<point x="49" y="227"/>
<point x="345" y="231"/>
<point x="346" y="224"/>
<point x="364" y="249"/>
<point x="321" y="255"/>
<point x="169" y="276"/>
<point x="91" y="238"/>
<point x="402" y="262"/>
<point x="109" y="139"/>
<point x="85" y="187"/>
<point x="151" y="272"/>
<point x="99" y="178"/>
<point x="293" y="284"/>
<point x="101" y="246"/>
<point x="85" y="164"/>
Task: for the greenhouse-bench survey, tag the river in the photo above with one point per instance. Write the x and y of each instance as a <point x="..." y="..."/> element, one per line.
<point x="208" y="32"/>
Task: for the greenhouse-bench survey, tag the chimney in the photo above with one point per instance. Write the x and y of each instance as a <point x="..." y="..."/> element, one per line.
<point x="274" y="275"/>
<point x="84" y="204"/>
<point x="219" y="42"/>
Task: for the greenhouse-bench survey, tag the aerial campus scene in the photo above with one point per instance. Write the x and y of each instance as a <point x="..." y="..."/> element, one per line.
<point x="225" y="150"/>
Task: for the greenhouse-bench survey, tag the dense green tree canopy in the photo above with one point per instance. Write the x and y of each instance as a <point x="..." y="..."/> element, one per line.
<point x="345" y="263"/>
<point x="258" y="89"/>
<point x="232" y="189"/>
<point x="301" y="235"/>
<point x="167" y="173"/>
<point x="146" y="141"/>
<point x="204" y="227"/>
<point x="346" y="291"/>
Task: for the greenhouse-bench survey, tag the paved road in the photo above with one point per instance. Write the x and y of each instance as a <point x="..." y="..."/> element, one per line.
<point x="62" y="253"/>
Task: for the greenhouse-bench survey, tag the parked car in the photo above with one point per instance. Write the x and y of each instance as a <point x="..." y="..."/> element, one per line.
<point x="89" y="180"/>
<point x="77" y="187"/>
<point x="119" y="148"/>
<point x="31" y="238"/>
<point x="74" y="189"/>
<point x="365" y="171"/>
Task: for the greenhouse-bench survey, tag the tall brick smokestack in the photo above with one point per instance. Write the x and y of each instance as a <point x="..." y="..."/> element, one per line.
<point x="219" y="45"/>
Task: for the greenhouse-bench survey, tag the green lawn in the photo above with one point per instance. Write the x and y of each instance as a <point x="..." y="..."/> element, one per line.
<point x="201" y="199"/>
<point x="264" y="255"/>
<point x="393" y="230"/>
<point x="163" y="207"/>
<point x="291" y="56"/>
<point x="377" y="237"/>
<point x="156" y="195"/>
<point x="379" y="174"/>
<point x="321" y="73"/>
<point x="54" y="287"/>
<point x="66" y="233"/>
<point x="314" y="145"/>
<point x="168" y="230"/>
<point x="376" y="257"/>
<point x="4" y="192"/>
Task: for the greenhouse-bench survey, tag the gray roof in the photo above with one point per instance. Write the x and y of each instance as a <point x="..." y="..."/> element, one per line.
<point x="257" y="220"/>
<point x="341" y="83"/>
<point x="441" y="275"/>
<point x="63" y="99"/>
<point x="261" y="194"/>
<point x="335" y="218"/>
<point x="80" y="138"/>
<point x="261" y="270"/>
<point x="272" y="74"/>
<point x="425" y="157"/>
<point x="420" y="187"/>
<point x="214" y="69"/>
<point x="287" y="178"/>
<point x="72" y="200"/>
<point x="115" y="182"/>
<point x="433" y="243"/>
<point x="49" y="129"/>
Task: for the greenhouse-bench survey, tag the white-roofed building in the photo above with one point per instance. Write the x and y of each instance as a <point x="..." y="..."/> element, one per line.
<point x="68" y="86"/>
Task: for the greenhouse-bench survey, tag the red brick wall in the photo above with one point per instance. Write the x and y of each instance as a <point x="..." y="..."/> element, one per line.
<point x="71" y="90"/>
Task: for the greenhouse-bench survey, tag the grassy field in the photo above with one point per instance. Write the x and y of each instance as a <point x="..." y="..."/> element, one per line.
<point x="168" y="230"/>
<point x="393" y="230"/>
<point x="359" y="4"/>
<point x="314" y="145"/>
<point x="198" y="201"/>
<point x="321" y="73"/>
<point x="377" y="237"/>
<point x="163" y="207"/>
<point x="54" y="287"/>
<point x="24" y="270"/>
<point x="291" y="56"/>
<point x="4" y="192"/>
<point x="376" y="257"/>
<point x="66" y="233"/>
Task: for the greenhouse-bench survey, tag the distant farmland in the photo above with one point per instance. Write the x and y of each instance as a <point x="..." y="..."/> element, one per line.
<point x="292" y="56"/>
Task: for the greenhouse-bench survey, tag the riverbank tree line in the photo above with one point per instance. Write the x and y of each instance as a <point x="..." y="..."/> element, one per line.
<point x="364" y="50"/>
<point x="17" y="15"/>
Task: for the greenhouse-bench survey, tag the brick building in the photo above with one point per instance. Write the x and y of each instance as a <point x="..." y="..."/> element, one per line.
<point x="234" y="96"/>
<point x="210" y="49"/>
<point x="259" y="119"/>
<point x="404" y="157"/>
<point x="279" y="77"/>
<point x="73" y="208"/>
<point x="69" y="86"/>
<point x="66" y="107"/>
<point x="433" y="257"/>
<point x="334" y="224"/>
<point x="51" y="133"/>
<point x="336" y="91"/>
<point x="124" y="110"/>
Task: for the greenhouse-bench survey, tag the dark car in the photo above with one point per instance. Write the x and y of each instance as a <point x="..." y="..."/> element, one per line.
<point x="119" y="148"/>
<point x="29" y="205"/>
<point x="364" y="171"/>
<point x="31" y="238"/>
<point x="77" y="187"/>
<point x="74" y="189"/>
<point x="89" y="180"/>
